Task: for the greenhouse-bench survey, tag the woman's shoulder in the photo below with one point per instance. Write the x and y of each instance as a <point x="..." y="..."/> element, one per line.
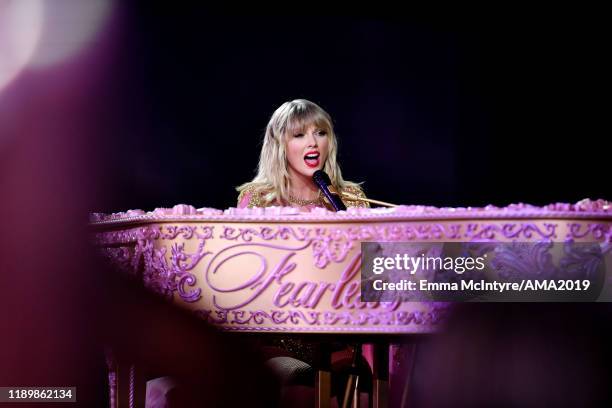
<point x="355" y="190"/>
<point x="252" y="196"/>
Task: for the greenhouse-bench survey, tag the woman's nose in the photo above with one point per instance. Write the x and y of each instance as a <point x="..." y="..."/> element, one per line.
<point x="312" y="140"/>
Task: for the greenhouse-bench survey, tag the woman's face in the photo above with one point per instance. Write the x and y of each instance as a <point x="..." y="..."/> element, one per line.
<point x="307" y="151"/>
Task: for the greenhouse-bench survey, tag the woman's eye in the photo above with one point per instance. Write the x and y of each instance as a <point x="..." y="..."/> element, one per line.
<point x="321" y="133"/>
<point x="298" y="135"/>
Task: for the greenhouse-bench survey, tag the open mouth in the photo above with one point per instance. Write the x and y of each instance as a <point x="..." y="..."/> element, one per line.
<point x="312" y="159"/>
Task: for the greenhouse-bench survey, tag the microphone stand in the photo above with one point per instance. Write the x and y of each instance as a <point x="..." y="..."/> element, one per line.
<point x="351" y="392"/>
<point x="353" y="197"/>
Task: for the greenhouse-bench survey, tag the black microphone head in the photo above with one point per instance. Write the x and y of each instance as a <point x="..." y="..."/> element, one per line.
<point x="323" y="182"/>
<point x="320" y="177"/>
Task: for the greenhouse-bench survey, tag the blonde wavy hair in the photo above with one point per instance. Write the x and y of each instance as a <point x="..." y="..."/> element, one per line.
<point x="272" y="174"/>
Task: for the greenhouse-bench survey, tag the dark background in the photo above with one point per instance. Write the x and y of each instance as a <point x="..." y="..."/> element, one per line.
<point x="169" y="104"/>
<point x="444" y="111"/>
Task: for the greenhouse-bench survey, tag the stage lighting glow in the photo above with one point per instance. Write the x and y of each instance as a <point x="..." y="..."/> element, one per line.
<point x="20" y="29"/>
<point x="69" y="26"/>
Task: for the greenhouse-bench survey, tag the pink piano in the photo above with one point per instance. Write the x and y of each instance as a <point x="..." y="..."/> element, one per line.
<point x="276" y="270"/>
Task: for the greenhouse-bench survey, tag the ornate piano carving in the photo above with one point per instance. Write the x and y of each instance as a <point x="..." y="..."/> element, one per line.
<point x="275" y="269"/>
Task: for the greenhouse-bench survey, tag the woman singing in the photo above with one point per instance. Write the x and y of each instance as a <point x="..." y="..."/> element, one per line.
<point x="299" y="140"/>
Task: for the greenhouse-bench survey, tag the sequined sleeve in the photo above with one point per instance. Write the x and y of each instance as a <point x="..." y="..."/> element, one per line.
<point x="244" y="198"/>
<point x="250" y="197"/>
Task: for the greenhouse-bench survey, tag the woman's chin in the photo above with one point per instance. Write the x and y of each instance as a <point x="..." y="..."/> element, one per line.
<point x="305" y="171"/>
<point x="309" y="171"/>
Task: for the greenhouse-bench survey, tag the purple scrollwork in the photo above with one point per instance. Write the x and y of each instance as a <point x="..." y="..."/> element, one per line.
<point x="300" y="321"/>
<point x="476" y="232"/>
<point x="159" y="274"/>
<point x="582" y="260"/>
<point x="265" y="233"/>
<point x="520" y="260"/>
<point x="297" y="317"/>
<point x="598" y="231"/>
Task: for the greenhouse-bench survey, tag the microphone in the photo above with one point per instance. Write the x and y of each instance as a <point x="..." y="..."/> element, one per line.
<point x="321" y="179"/>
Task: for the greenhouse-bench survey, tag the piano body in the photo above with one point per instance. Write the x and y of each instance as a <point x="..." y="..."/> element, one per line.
<point x="278" y="271"/>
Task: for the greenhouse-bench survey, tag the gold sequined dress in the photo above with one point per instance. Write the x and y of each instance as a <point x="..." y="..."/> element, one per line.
<point x="253" y="197"/>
